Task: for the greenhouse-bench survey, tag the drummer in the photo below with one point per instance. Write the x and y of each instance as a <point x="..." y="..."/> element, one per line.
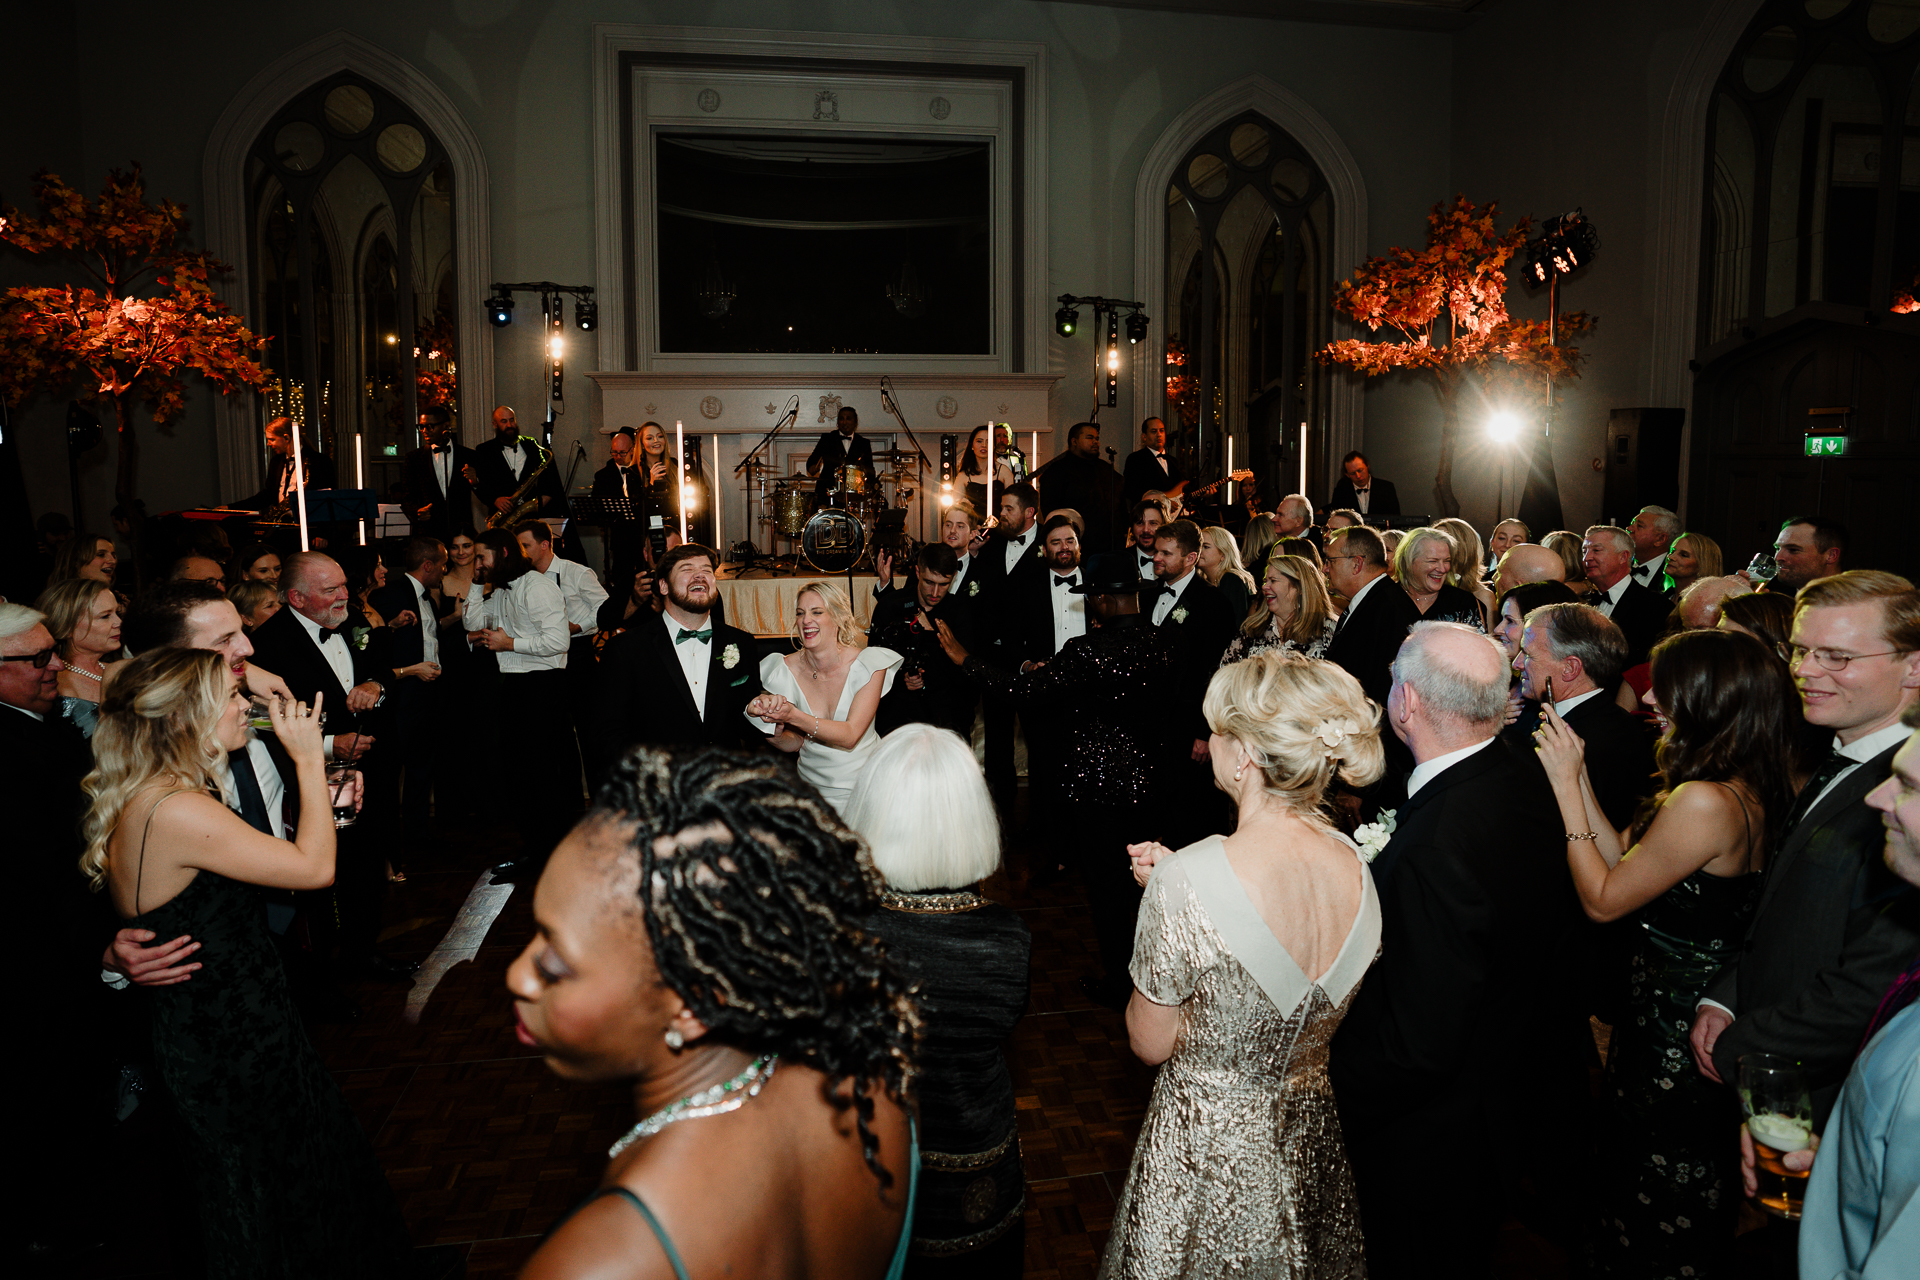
<point x="842" y="447"/>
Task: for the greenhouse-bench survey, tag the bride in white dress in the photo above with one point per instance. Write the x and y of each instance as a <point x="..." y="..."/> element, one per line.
<point x="820" y="700"/>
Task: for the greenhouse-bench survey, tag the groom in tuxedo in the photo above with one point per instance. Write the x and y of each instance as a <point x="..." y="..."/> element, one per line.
<point x="1461" y="1040"/>
<point x="676" y="679"/>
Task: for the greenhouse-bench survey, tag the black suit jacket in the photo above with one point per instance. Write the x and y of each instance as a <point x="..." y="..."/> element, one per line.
<point x="1199" y="638"/>
<point x="1619" y="752"/>
<point x="948" y="698"/>
<point x="1143" y="474"/>
<point x="498" y="479"/>
<point x="1091" y="487"/>
<point x="281" y="645"/>
<point x="1370" y="635"/>
<point x="40" y="789"/>
<point x="642" y="697"/>
<point x="832" y="452"/>
<point x="1833" y="930"/>
<point x="1031" y="615"/>
<point x="1383" y="500"/>
<point x="1641" y="615"/>
<point x="996" y="624"/>
<point x="319" y="472"/>
<point x="435" y="515"/>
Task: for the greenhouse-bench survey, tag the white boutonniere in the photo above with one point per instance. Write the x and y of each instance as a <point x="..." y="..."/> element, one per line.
<point x="973" y="589"/>
<point x="730" y="658"/>
<point x="359" y="636"/>
<point x="1372" y="837"/>
<point x="1180" y="614"/>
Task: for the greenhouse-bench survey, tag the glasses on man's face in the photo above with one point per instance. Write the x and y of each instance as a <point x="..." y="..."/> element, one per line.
<point x="39" y="660"/>
<point x="1832" y="659"/>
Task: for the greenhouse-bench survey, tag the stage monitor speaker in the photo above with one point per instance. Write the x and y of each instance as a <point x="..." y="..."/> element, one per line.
<point x="1643" y="462"/>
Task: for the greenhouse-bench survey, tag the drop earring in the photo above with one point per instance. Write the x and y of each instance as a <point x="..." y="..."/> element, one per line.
<point x="1237" y="772"/>
<point x="675" y="1041"/>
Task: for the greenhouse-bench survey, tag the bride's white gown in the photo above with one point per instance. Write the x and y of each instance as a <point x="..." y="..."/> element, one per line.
<point x="832" y="770"/>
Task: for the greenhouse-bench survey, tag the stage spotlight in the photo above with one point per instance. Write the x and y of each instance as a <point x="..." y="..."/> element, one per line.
<point x="1066" y="320"/>
<point x="1503" y="426"/>
<point x="586" y="314"/>
<point x="1565" y="245"/>
<point x="500" y="310"/>
<point x="1136" y="328"/>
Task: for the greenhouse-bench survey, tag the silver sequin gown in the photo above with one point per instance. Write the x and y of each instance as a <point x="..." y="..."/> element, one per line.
<point x="1240" y="1169"/>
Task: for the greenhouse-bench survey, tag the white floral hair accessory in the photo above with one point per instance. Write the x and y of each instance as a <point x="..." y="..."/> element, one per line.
<point x="1333" y="735"/>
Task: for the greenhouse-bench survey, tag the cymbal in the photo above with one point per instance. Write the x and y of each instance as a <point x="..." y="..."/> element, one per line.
<point x="758" y="467"/>
<point x="894" y="455"/>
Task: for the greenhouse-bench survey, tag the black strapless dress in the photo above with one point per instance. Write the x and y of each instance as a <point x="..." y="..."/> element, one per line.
<point x="287" y="1182"/>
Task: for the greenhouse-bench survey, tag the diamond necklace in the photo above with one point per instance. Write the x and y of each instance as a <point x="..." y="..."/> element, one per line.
<point x="728" y="1095"/>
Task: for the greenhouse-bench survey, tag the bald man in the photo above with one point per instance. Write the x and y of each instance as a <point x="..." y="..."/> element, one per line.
<point x="1465" y="1024"/>
<point x="1524" y="563"/>
<point x="1700" y="603"/>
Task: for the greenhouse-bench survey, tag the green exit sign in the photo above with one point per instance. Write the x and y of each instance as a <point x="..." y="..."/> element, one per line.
<point x="1826" y="446"/>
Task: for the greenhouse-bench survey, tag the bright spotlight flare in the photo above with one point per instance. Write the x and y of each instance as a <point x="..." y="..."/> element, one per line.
<point x="1503" y="426"/>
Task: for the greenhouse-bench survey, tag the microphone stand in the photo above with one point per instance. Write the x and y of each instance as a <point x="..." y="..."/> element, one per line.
<point x="887" y="402"/>
<point x="791" y="415"/>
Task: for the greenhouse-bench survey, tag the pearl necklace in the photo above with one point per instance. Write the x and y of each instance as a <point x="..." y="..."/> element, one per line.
<point x="708" y="1102"/>
<point x="79" y="670"/>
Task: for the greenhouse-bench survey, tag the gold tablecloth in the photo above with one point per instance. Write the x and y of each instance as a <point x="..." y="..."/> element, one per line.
<point x="764" y="605"/>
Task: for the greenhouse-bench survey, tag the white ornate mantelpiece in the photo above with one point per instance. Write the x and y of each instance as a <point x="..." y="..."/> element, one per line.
<point x="740" y="408"/>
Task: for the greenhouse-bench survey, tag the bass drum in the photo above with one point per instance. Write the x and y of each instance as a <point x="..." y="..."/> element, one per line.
<point x="833" y="541"/>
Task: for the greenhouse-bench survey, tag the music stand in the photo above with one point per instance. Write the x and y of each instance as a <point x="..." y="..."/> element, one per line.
<point x="612" y="514"/>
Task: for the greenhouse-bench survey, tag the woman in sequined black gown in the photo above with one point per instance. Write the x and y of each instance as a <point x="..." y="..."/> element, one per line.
<point x="1667" y="1175"/>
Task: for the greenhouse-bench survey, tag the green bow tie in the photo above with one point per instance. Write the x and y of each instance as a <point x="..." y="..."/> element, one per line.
<point x="686" y="635"/>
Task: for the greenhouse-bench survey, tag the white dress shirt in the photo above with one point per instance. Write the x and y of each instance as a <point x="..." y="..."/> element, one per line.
<point x="960" y="574"/>
<point x="532" y="611"/>
<point x="273" y="790"/>
<point x="1170" y="598"/>
<point x="1069" y="610"/>
<point x="429" y="624"/>
<point x="1563" y="705"/>
<point x="1427" y="770"/>
<point x="1649" y="574"/>
<point x="332" y="647"/>
<point x="1161" y="458"/>
<point x="515" y="457"/>
<point x="1143" y="562"/>
<point x="1018" y="545"/>
<point x="580" y="590"/>
<point x="696" y="658"/>
<point x="1363" y="499"/>
<point x="443" y="470"/>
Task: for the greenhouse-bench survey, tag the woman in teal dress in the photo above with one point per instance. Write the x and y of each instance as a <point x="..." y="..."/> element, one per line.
<point x="286" y="1181"/>
<point x="84" y="619"/>
<point x="1668" y="1167"/>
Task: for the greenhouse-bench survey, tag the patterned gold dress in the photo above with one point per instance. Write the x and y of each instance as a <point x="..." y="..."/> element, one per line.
<point x="1240" y="1169"/>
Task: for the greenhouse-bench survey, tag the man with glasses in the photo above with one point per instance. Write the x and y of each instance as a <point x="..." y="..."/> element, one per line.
<point x="1378" y="614"/>
<point x="1834" y="926"/>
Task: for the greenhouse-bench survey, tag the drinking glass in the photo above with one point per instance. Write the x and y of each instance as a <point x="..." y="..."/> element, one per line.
<point x="1763" y="567"/>
<point x="340" y="792"/>
<point x="1779" y="1106"/>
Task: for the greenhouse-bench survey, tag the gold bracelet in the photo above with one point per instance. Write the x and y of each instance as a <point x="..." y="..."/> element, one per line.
<point x="1583" y="835"/>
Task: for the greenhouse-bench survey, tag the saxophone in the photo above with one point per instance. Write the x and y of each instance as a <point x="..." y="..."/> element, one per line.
<point x="523" y="501"/>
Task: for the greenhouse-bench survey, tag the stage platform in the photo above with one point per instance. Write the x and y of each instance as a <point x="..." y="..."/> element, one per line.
<point x="762" y="601"/>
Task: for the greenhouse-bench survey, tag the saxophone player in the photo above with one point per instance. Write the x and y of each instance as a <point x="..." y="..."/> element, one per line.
<point x="505" y="462"/>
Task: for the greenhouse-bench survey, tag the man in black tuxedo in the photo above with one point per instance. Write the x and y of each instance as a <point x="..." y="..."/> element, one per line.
<point x="1360" y="490"/>
<point x="1835" y="925"/>
<point x="620" y="479"/>
<point x="440" y="479"/>
<point x="1081" y="480"/>
<point x="930" y="690"/>
<point x="415" y="723"/>
<point x="1004" y="569"/>
<point x="1606" y="555"/>
<point x="302" y="643"/>
<point x="1144" y="519"/>
<point x="1463" y="1026"/>
<point x="1378" y="611"/>
<point x="1150" y="468"/>
<point x="843" y="446"/>
<point x="1048" y="613"/>
<point x="503" y="463"/>
<point x="1198" y="618"/>
<point x="676" y="679"/>
<point x="316" y="468"/>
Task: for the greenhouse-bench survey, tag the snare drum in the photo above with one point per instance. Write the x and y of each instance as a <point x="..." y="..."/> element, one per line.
<point x="833" y="541"/>
<point x="790" y="508"/>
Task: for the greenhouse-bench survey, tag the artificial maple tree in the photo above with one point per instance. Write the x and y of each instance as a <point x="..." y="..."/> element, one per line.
<point x="1449" y="303"/>
<point x="120" y="338"/>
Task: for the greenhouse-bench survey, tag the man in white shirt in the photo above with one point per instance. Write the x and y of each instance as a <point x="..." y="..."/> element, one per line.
<point x="1066" y="611"/>
<point x="1830" y="934"/>
<point x="1653" y="531"/>
<point x="580" y="590"/>
<point x="521" y="616"/>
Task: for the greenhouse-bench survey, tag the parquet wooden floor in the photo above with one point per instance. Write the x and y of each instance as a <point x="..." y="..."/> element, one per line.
<point x="487" y="1149"/>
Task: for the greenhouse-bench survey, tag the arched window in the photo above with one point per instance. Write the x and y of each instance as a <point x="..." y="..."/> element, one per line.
<point x="350" y="199"/>
<point x="1250" y="198"/>
<point x="1813" y="164"/>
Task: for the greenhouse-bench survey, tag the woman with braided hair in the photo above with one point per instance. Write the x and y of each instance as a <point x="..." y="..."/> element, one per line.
<point x="698" y="934"/>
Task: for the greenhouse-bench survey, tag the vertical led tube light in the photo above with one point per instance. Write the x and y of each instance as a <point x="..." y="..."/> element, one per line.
<point x="300" y="486"/>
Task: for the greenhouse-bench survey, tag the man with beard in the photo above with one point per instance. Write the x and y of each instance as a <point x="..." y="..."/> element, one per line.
<point x="503" y="465"/>
<point x="1081" y="480"/>
<point x="1808" y="547"/>
<point x="678" y="679"/>
<point x="930" y="690"/>
<point x="1144" y="519"/>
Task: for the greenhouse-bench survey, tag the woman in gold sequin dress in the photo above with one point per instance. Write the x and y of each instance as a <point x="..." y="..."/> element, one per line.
<point x="1240" y="1169"/>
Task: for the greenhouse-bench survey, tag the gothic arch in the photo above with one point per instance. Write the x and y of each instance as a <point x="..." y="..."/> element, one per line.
<point x="223" y="175"/>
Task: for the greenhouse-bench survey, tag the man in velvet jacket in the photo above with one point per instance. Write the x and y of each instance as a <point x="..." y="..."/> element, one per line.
<point x="678" y="678"/>
<point x="1463" y="1027"/>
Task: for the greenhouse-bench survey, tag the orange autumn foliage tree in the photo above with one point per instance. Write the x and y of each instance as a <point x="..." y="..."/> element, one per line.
<point x="119" y="339"/>
<point x="1448" y="301"/>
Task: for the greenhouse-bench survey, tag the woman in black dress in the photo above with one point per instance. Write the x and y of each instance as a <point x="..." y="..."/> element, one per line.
<point x="922" y="806"/>
<point x="287" y="1182"/>
<point x="1421" y="565"/>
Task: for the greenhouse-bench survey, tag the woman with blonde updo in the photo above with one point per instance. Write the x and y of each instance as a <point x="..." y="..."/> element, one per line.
<point x="1247" y="953"/>
<point x="287" y="1183"/>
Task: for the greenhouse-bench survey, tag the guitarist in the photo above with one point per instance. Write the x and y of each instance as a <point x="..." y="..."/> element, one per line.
<point x="1150" y="468"/>
<point x="441" y="477"/>
<point x="503" y="465"/>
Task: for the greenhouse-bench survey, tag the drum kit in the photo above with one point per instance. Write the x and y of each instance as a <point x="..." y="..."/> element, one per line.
<point x="841" y="533"/>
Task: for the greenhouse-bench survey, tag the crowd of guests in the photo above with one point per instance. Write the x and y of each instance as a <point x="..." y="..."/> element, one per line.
<point x="1374" y="826"/>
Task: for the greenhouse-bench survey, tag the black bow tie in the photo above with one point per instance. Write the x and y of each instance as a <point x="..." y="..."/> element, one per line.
<point x="1363" y="488"/>
<point x="442" y="448"/>
<point x="1158" y="454"/>
<point x="1019" y="540"/>
<point x="327" y="633"/>
<point x="1067" y="581"/>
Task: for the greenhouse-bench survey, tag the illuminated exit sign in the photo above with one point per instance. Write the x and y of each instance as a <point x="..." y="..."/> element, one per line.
<point x="1826" y="446"/>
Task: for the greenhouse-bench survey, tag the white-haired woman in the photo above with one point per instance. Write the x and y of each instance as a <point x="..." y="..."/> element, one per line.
<point x="1248" y="950"/>
<point x="821" y="699"/>
<point x="1422" y="565"/>
<point x="922" y="807"/>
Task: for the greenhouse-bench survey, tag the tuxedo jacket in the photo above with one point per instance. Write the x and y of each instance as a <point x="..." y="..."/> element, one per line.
<point x="1143" y="474"/>
<point x="1091" y="487"/>
<point x="1029" y="607"/>
<point x="1619" y="752"/>
<point x="319" y="472"/>
<point x="642" y="696"/>
<point x="832" y="451"/>
<point x="1833" y="930"/>
<point x="1370" y="635"/>
<point x="437" y="515"/>
<point x="997" y="624"/>
<point x="281" y="645"/>
<point x="498" y="479"/>
<point x="1201" y="626"/>
<point x="1383" y="500"/>
<point x="948" y="698"/>
<point x="40" y="790"/>
<point x="1641" y="615"/>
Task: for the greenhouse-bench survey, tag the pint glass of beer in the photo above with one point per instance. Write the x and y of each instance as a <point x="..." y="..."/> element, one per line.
<point x="1779" y="1109"/>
